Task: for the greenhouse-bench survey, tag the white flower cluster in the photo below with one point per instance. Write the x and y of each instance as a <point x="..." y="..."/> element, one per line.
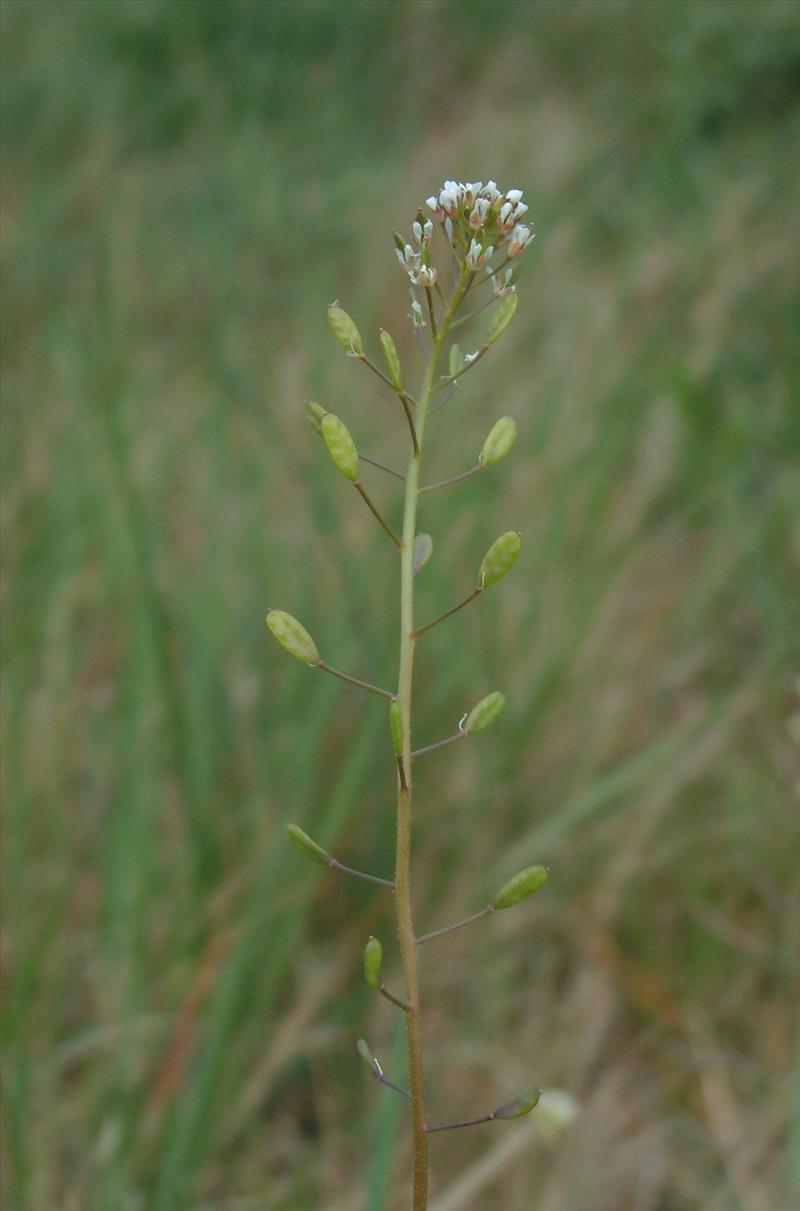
<point x="474" y="209"/>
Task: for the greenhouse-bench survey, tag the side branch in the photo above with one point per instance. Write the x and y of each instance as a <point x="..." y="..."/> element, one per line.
<point x="438" y="933"/>
<point x="469" y="1122"/>
<point x="359" y="487"/>
<point x="362" y="685"/>
<point x="334" y="864"/>
<point x="406" y="400"/>
<point x="429" y="748"/>
<point x="453" y="609"/>
<point x="454" y="479"/>
<point x="373" y="462"/>
<point x="395" y="1000"/>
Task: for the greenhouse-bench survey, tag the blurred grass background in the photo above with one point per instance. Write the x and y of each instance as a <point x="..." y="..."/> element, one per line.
<point x="186" y="186"/>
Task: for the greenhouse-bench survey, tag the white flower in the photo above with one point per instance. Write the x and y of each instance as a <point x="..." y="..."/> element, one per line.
<point x="473" y="257"/>
<point x="427" y="232"/>
<point x="521" y="237"/>
<point x="519" y="210"/>
<point x="513" y="195"/>
<point x="417" y="317"/>
<point x="425" y="275"/>
<point x="416" y="227"/>
<point x="470" y="357"/>
<point x="505" y="218"/>
<point x="491" y="192"/>
<point x="501" y="285"/>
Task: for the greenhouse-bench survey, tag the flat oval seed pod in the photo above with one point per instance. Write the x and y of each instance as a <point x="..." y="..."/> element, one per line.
<point x="392" y="359"/>
<point x="500" y="558"/>
<point x="301" y="840"/>
<point x="520" y="886"/>
<point x="373" y="963"/>
<point x="292" y="636"/>
<point x="341" y="446"/>
<point x="315" y="415"/>
<point x="423" y="549"/>
<point x="456" y="360"/>
<point x="484" y="713"/>
<point x="345" y="330"/>
<point x="499" y="441"/>
<point x="501" y="318"/>
<point x="521" y="1103"/>
<point x="396" y="725"/>
<point x="369" y="1058"/>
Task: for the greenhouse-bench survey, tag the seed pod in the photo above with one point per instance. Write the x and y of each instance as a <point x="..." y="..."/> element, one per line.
<point x="315" y="415"/>
<point x="392" y="359"/>
<point x="484" y="713"/>
<point x="369" y="1058"/>
<point x="499" y="441"/>
<point x="456" y="360"/>
<point x="306" y="845"/>
<point x="373" y="962"/>
<point x="345" y="330"/>
<point x="500" y="558"/>
<point x="423" y="549"/>
<point x="396" y="725"/>
<point x="501" y="318"/>
<point x="292" y="636"/>
<point x="521" y="1103"/>
<point x="341" y="446"/>
<point x="520" y="886"/>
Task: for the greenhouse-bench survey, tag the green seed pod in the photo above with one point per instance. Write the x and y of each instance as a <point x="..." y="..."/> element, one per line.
<point x="456" y="360"/>
<point x="306" y="845"/>
<point x="484" y="713"/>
<point x="501" y="318"/>
<point x="522" y="885"/>
<point x="423" y="549"/>
<point x="369" y="1058"/>
<point x="292" y="636"/>
<point x="341" y="446"/>
<point x="500" y="558"/>
<point x="399" y="242"/>
<point x="396" y="725"/>
<point x="521" y="1103"/>
<point x="499" y="441"/>
<point x="373" y="962"/>
<point x="315" y="415"/>
<point x="392" y="359"/>
<point x="345" y="330"/>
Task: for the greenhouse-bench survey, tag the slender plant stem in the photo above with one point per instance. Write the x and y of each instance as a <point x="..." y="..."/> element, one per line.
<point x="359" y="487"/>
<point x="456" y="378"/>
<point x="453" y="609"/>
<point x="358" y="874"/>
<point x="384" y="1080"/>
<point x="406" y="400"/>
<point x="454" y="479"/>
<point x="438" y="933"/>
<point x="475" y="311"/>
<point x="440" y="403"/>
<point x="391" y="997"/>
<point x="439" y="744"/>
<point x="373" y="462"/>
<point x="405" y="925"/>
<point x="362" y="685"/>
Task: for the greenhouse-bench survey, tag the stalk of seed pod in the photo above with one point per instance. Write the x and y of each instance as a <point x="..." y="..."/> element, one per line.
<point x="292" y="636"/>
<point x="315" y="415"/>
<point x="520" y="886"/>
<point x="500" y="558"/>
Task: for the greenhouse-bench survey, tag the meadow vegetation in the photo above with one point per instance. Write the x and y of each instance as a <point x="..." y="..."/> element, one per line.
<point x="186" y="187"/>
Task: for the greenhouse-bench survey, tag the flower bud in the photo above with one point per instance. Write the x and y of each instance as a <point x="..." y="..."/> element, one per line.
<point x="521" y="1103"/>
<point x="520" y="886"/>
<point x="500" y="558"/>
<point x="500" y="439"/>
<point x="306" y="845"/>
<point x="373" y="962"/>
<point x="369" y="1059"/>
<point x="423" y="549"/>
<point x="456" y="360"/>
<point x="501" y="318"/>
<point x="341" y="446"/>
<point x="292" y="636"/>
<point x="396" y="725"/>
<point x="392" y="360"/>
<point x="345" y="330"/>
<point x="315" y="415"/>
<point x="484" y="713"/>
